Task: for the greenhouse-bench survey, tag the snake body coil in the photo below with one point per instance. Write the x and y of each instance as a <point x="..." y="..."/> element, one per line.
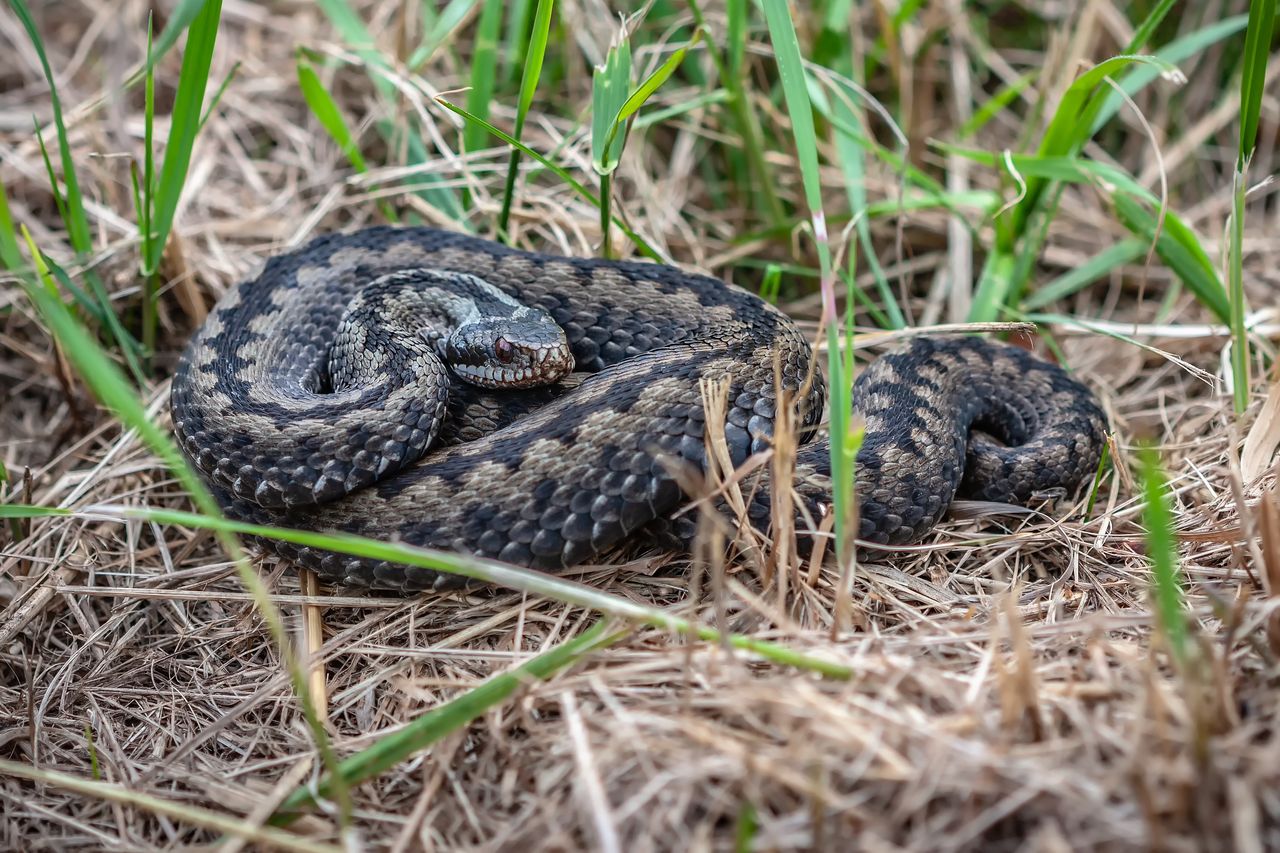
<point x="312" y="398"/>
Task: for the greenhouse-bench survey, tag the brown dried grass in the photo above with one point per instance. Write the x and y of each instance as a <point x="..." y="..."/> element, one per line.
<point x="1010" y="692"/>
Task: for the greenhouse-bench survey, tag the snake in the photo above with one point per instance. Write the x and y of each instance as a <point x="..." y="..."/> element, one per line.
<point x="442" y="390"/>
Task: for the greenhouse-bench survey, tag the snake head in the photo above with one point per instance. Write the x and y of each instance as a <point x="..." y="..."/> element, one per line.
<point x="524" y="348"/>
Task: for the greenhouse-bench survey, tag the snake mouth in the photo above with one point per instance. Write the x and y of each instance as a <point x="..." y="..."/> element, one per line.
<point x="543" y="367"/>
<point x="490" y="377"/>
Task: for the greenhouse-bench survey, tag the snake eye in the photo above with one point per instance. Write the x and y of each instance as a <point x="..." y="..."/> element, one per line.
<point x="505" y="350"/>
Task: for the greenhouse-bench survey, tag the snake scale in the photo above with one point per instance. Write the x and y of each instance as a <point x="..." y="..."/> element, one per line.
<point x="332" y="393"/>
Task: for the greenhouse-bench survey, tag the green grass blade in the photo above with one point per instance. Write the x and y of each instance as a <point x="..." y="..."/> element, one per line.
<point x="71" y="203"/>
<point x="1069" y="129"/>
<point x="795" y="89"/>
<point x="474" y="568"/>
<point x="484" y="72"/>
<point x="610" y="84"/>
<point x="1057" y="168"/>
<point x="1144" y="31"/>
<point x="852" y="149"/>
<point x="351" y="28"/>
<point x="1178" y="246"/>
<point x="534" y="62"/>
<point x="1066" y="133"/>
<point x="747" y="827"/>
<point x="183" y="14"/>
<point x="1103" y="463"/>
<point x="1078" y="278"/>
<point x="996" y="104"/>
<point x="906" y="12"/>
<point x="1180" y="50"/>
<point x="439" y="722"/>
<point x="914" y="176"/>
<point x="771" y="284"/>
<point x="613" y="103"/>
<point x="955" y="202"/>
<point x="144" y="191"/>
<point x="147" y="188"/>
<point x="1009" y="266"/>
<point x="1163" y="550"/>
<point x="1235" y="293"/>
<point x="95" y="771"/>
<point x="737" y="13"/>
<point x="533" y="59"/>
<point x="180" y="813"/>
<point x="800" y="109"/>
<point x="515" y="40"/>
<point x="1253" y="80"/>
<point x="758" y="174"/>
<point x="100" y="305"/>
<point x="107" y="384"/>
<point x="440" y="28"/>
<point x="642" y="245"/>
<point x="188" y="108"/>
<point x="995" y="284"/>
<point x="399" y="135"/>
<point x="655" y="80"/>
<point x="658" y="116"/>
<point x="104" y="317"/>
<point x="12" y="511"/>
<point x="59" y="198"/>
<point x="10" y="254"/>
<point x="217" y="97"/>
<point x="326" y="111"/>
<point x="74" y="216"/>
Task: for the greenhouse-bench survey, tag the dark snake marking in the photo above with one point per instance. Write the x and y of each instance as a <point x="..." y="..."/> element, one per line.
<point x="552" y="477"/>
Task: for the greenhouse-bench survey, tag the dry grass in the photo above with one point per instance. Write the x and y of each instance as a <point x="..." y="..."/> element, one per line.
<point x="1010" y="691"/>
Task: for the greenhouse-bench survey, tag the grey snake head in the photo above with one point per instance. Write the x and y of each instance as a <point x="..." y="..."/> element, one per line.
<point x="487" y="338"/>
<point x="508" y="347"/>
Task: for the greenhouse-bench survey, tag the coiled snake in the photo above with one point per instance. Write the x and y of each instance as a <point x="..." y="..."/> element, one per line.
<point x="317" y="396"/>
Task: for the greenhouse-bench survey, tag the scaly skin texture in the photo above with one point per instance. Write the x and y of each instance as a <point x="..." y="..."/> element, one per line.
<point x="576" y="469"/>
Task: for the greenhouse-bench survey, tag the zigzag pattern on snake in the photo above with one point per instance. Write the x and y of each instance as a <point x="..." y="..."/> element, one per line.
<point x="552" y="477"/>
